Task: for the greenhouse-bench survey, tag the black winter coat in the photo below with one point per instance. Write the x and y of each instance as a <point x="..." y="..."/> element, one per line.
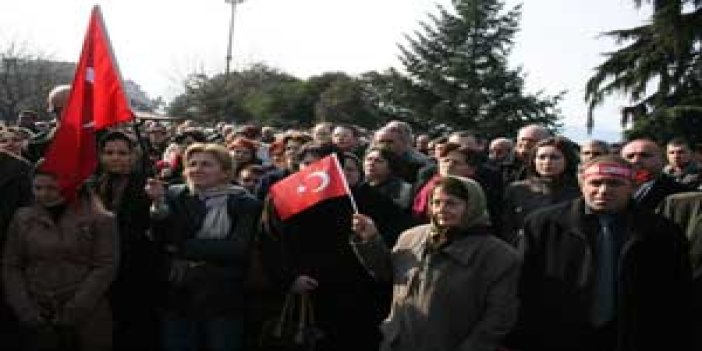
<point x="556" y="290"/>
<point x="214" y="286"/>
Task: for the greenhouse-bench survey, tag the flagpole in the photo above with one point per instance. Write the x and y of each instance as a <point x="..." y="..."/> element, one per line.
<point x="346" y="184"/>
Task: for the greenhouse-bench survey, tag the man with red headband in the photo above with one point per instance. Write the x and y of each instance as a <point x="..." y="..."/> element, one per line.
<point x="601" y="274"/>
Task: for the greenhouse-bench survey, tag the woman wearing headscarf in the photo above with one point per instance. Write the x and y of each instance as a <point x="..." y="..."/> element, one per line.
<point x="551" y="179"/>
<point x="59" y="261"/>
<point x="455" y="284"/>
<point x="204" y="230"/>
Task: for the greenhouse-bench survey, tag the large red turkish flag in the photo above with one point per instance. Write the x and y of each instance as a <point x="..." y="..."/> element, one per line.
<point x="319" y="181"/>
<point x="97" y="101"/>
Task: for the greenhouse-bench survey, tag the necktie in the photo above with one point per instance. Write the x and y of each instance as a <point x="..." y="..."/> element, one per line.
<point x="605" y="290"/>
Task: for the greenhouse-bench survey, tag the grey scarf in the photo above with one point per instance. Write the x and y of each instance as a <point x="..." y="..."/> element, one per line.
<point x="217" y="223"/>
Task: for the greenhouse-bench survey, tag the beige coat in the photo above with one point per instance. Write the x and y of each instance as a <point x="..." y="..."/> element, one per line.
<point x="62" y="270"/>
<point x="462" y="296"/>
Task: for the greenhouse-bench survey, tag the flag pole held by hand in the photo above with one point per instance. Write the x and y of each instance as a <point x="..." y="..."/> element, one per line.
<point x="346" y="184"/>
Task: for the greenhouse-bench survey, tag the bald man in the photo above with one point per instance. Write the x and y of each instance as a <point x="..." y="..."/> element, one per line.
<point x="653" y="185"/>
<point x="527" y="137"/>
<point x="56" y="101"/>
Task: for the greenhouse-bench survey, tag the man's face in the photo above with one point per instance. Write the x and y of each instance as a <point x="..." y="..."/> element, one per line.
<point x="499" y="151"/>
<point x="679" y="155"/>
<point x="422" y="143"/>
<point x="11" y="142"/>
<point x="391" y="141"/>
<point x="589" y="151"/>
<point x="526" y="140"/>
<point x="291" y="149"/>
<point x="454" y="164"/>
<point x="344" y="139"/>
<point x="26" y="120"/>
<point x="249" y="179"/>
<point x="604" y="193"/>
<point x="322" y="134"/>
<point x="158" y="136"/>
<point x="643" y="155"/>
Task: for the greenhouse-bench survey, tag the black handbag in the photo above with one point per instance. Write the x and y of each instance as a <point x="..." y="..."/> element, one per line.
<point x="294" y="329"/>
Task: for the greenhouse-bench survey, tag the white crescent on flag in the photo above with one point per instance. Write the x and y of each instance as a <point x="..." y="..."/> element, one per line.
<point x="324" y="182"/>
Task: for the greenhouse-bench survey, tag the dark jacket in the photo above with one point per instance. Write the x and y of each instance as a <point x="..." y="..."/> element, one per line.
<point x="524" y="197"/>
<point x="557" y="282"/>
<point x="136" y="292"/>
<point x="397" y="190"/>
<point x="462" y="296"/>
<point x="213" y="282"/>
<point x="348" y="303"/>
<point x="659" y="189"/>
<point x="15" y="187"/>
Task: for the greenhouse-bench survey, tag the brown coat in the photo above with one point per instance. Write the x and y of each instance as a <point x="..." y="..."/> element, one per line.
<point x="462" y="296"/>
<point x="62" y="271"/>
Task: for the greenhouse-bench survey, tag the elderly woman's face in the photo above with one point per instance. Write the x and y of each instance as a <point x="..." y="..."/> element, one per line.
<point x="446" y="209"/>
<point x="203" y="171"/>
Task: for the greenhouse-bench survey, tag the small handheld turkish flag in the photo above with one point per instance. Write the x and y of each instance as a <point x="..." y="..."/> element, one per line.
<point x="97" y="101"/>
<point x="319" y="181"/>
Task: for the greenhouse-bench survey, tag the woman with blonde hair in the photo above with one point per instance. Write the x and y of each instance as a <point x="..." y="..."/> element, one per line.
<point x="204" y="230"/>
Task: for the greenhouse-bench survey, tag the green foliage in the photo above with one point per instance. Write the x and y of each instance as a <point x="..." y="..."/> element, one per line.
<point x="269" y="96"/>
<point x="459" y="62"/>
<point x="658" y="67"/>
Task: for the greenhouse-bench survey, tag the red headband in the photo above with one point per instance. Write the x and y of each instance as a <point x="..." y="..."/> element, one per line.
<point x="608" y="169"/>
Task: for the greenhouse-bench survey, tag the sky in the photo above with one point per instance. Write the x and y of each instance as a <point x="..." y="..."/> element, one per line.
<point x="157" y="42"/>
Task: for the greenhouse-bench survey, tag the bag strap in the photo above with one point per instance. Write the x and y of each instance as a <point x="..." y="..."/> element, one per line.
<point x="285" y="315"/>
<point x="302" y="320"/>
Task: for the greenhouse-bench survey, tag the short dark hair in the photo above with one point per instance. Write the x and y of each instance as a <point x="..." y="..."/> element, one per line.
<point x="253" y="168"/>
<point x="350" y="127"/>
<point x="115" y="136"/>
<point x="197" y="135"/>
<point x="679" y="142"/>
<point x="472" y="156"/>
<point x="318" y="150"/>
<point x="394" y="161"/>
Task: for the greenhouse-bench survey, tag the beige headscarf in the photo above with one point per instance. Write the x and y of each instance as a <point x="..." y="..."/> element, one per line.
<point x="477" y="213"/>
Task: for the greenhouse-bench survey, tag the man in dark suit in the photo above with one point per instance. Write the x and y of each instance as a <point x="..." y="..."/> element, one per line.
<point x="599" y="273"/>
<point x="653" y="185"/>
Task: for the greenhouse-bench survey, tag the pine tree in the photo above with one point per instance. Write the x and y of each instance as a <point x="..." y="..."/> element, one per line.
<point x="659" y="68"/>
<point x="460" y="59"/>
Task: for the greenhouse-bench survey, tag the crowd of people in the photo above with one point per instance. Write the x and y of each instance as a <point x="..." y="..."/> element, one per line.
<point x="523" y="242"/>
